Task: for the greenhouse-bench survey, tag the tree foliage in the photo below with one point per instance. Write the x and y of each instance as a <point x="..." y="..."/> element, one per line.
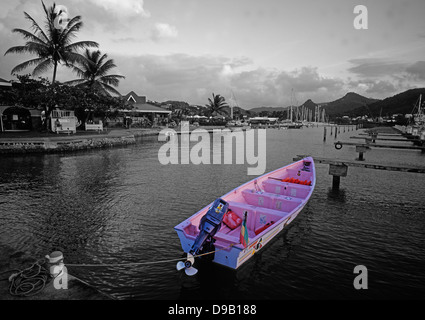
<point x="51" y="45"/>
<point x="93" y="72"/>
<point x="217" y="105"/>
<point x="41" y="94"/>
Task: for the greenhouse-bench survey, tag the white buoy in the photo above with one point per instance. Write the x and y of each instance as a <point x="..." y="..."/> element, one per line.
<point x="56" y="265"/>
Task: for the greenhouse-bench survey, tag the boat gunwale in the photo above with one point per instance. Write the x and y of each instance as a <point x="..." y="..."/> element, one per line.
<point x="296" y="210"/>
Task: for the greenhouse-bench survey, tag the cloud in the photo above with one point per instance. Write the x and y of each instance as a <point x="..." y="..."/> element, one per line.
<point x="417" y="70"/>
<point x="8" y="7"/>
<point x="307" y="79"/>
<point x="273" y="87"/>
<point x="123" y="7"/>
<point x="376" y="67"/>
<point x="193" y="79"/>
<point x="162" y="31"/>
<point x="373" y="88"/>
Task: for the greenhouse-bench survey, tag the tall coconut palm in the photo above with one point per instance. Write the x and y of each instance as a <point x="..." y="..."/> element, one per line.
<point x="93" y="71"/>
<point x="53" y="45"/>
<point x="217" y="105"/>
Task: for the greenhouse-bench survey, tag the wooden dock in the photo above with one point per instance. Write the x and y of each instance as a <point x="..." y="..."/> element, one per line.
<point x="374" y="145"/>
<point x="339" y="167"/>
<point x="337" y="129"/>
<point x="372" y="136"/>
<point x="387" y="139"/>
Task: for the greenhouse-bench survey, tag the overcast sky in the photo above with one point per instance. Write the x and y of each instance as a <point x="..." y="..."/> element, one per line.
<point x="259" y="50"/>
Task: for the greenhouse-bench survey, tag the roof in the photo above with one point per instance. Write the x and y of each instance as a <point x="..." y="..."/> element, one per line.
<point x="5" y="83"/>
<point x="134" y="97"/>
<point x="146" y="108"/>
<point x="34" y="112"/>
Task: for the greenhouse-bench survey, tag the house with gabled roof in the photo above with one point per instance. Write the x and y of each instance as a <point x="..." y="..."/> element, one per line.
<point x="133" y="97"/>
<point x="142" y="109"/>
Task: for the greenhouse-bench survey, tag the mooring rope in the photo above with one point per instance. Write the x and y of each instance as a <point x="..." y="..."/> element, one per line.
<point x="29" y="281"/>
<point x="141" y="263"/>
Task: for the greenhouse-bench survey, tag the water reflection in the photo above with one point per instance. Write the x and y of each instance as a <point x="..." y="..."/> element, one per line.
<point x="337" y="195"/>
<point x="120" y="205"/>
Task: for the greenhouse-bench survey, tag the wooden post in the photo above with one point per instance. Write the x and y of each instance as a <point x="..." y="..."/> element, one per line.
<point x="336" y="132"/>
<point x="337" y="171"/>
<point x="361" y="150"/>
<point x="422" y="141"/>
<point x="324" y="134"/>
<point x="336" y="180"/>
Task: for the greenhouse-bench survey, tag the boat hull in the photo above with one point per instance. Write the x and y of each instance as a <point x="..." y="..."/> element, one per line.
<point x="268" y="201"/>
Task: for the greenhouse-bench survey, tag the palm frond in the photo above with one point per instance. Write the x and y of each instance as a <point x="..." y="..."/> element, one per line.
<point x="81" y="45"/>
<point x="17" y="49"/>
<point x="72" y="59"/>
<point x="112" y="79"/>
<point x="71" y="29"/>
<point x="35" y="26"/>
<point x="27" y="64"/>
<point x="110" y="89"/>
<point x="75" y="82"/>
<point x="42" y="67"/>
<point x="78" y="71"/>
<point x="28" y="35"/>
<point x="107" y="66"/>
<point x="101" y="59"/>
<point x="40" y="49"/>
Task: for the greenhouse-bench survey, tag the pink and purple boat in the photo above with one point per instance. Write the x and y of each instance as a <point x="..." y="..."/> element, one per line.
<point x="236" y="226"/>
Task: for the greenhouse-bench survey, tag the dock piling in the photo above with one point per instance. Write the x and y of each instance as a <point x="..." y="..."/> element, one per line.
<point x="339" y="168"/>
<point x="337" y="171"/>
<point x="361" y="150"/>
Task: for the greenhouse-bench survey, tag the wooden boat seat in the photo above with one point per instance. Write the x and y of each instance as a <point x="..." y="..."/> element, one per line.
<point x="286" y="189"/>
<point x="271" y="200"/>
<point x="256" y="217"/>
<point x="239" y="208"/>
<point x="226" y="237"/>
<point x="299" y="174"/>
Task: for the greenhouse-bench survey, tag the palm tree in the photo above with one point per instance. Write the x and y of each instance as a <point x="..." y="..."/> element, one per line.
<point x="53" y="45"/>
<point x="93" y="71"/>
<point x="217" y="105"/>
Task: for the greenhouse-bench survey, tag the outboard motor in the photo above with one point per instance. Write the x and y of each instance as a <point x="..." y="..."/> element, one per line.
<point x="208" y="227"/>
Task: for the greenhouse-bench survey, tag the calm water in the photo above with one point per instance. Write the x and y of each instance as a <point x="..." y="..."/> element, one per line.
<point x="120" y="205"/>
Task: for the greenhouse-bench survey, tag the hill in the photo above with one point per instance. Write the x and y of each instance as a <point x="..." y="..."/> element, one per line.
<point x="347" y="104"/>
<point x="267" y="109"/>
<point x="338" y="107"/>
<point x="400" y="103"/>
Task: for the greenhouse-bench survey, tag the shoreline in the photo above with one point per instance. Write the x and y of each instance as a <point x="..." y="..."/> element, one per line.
<point x="51" y="143"/>
<point x="69" y="143"/>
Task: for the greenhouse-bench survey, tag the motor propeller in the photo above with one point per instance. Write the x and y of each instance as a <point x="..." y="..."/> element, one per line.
<point x="187" y="265"/>
<point x="210" y="223"/>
